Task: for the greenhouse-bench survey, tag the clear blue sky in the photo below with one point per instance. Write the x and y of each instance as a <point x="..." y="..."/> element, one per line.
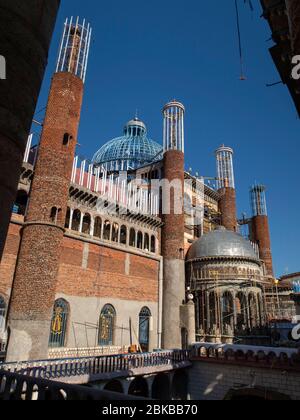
<point x="145" y="53"/>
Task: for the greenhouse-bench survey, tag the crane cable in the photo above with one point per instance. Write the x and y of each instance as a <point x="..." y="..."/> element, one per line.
<point x="242" y="75"/>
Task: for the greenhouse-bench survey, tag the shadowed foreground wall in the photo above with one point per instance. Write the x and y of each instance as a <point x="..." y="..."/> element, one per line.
<point x="25" y="31"/>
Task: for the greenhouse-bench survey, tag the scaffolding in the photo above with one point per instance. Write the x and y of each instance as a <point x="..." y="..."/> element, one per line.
<point x="225" y="172"/>
<point x="258" y="200"/>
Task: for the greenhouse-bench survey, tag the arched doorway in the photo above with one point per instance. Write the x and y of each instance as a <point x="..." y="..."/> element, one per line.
<point x="139" y="387"/>
<point x="59" y="324"/>
<point x="107" y="326"/>
<point x="161" y="388"/>
<point x="144" y="329"/>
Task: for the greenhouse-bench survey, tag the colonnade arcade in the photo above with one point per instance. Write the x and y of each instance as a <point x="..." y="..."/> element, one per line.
<point x="228" y="312"/>
<point x="110" y="230"/>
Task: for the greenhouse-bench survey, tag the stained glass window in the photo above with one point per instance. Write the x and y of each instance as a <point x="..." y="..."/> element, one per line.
<point x="59" y="324"/>
<point x="107" y="326"/>
<point x="144" y="328"/>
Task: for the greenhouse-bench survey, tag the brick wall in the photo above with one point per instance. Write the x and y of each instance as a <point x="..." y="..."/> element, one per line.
<point x="88" y="270"/>
<point x="9" y="259"/>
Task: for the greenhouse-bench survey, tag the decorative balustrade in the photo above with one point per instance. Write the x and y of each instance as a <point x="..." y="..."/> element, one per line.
<point x="275" y="357"/>
<point x="16" y="387"/>
<point x="92" y="366"/>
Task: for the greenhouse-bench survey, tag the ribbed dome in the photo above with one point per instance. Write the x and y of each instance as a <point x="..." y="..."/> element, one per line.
<point x="131" y="151"/>
<point x="222" y="243"/>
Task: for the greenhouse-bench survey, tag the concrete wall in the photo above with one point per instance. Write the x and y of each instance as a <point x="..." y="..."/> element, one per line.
<point x="88" y="309"/>
<point x="214" y="381"/>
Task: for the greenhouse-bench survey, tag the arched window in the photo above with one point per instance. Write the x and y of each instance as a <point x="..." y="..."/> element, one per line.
<point x="153" y="244"/>
<point x="107" y="326"/>
<point x="140" y="240"/>
<point x="76" y="220"/>
<point x="115" y="232"/>
<point x="147" y="242"/>
<point x="132" y="238"/>
<point x="59" y="323"/>
<point x="106" y="230"/>
<point x="21" y="203"/>
<point x="144" y="329"/>
<point x="55" y="215"/>
<point x="66" y="139"/>
<point x="123" y="236"/>
<point x="86" y="224"/>
<point x="68" y="216"/>
<point x="2" y="314"/>
<point x="97" y="227"/>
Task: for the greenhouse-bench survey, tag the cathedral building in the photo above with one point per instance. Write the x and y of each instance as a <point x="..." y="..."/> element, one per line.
<point x="127" y="250"/>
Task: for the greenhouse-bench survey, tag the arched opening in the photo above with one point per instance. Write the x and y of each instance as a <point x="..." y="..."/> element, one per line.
<point x="86" y="224"/>
<point x="146" y="242"/>
<point x="106" y="230"/>
<point x="66" y="139"/>
<point x="68" y="217"/>
<point x="21" y="203"/>
<point x="139" y="387"/>
<point x="144" y="329"/>
<point x="180" y="386"/>
<point x="228" y="314"/>
<point x="253" y="311"/>
<point x="98" y="227"/>
<point x="115" y="232"/>
<point x="114" y="386"/>
<point x="59" y="324"/>
<point x="161" y="388"/>
<point x="76" y="220"/>
<point x="241" y="312"/>
<point x="107" y="326"/>
<point x="55" y="215"/>
<point x="2" y="315"/>
<point x="123" y="235"/>
<point x="153" y="244"/>
<point x="140" y="240"/>
<point x="212" y="321"/>
<point x="132" y="238"/>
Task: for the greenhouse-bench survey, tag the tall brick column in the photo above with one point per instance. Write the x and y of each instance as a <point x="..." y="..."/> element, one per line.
<point x="261" y="236"/>
<point x="226" y="184"/>
<point x="34" y="286"/>
<point x="227" y="208"/>
<point x="173" y="229"/>
<point x="260" y="231"/>
<point x="25" y="31"/>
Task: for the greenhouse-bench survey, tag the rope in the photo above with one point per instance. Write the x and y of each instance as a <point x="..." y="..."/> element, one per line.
<point x="242" y="76"/>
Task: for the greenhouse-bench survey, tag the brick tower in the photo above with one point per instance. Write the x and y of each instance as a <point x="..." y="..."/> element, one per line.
<point x="260" y="231"/>
<point x="35" y="279"/>
<point x="226" y="187"/>
<point x="173" y="230"/>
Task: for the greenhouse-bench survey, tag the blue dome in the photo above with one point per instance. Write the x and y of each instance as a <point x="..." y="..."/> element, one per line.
<point x="131" y="151"/>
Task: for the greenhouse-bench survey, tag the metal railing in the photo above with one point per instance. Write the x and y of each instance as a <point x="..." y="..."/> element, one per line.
<point x="17" y="387"/>
<point x="66" y="368"/>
